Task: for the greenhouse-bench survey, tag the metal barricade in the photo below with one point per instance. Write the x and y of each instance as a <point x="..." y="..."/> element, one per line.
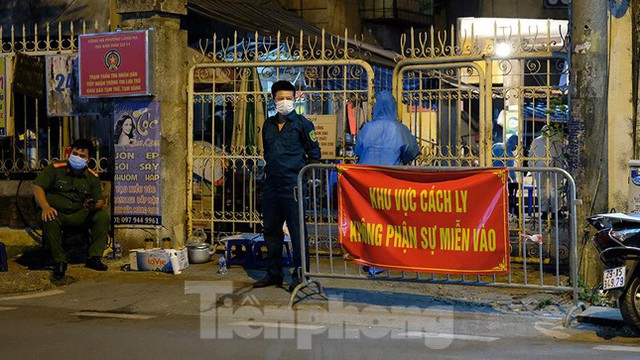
<point x="542" y="234"/>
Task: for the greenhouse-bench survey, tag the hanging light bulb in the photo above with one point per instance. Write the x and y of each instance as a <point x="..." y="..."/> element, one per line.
<point x="503" y="49"/>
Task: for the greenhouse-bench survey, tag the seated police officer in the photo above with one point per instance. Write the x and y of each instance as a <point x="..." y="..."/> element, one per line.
<point x="70" y="196"/>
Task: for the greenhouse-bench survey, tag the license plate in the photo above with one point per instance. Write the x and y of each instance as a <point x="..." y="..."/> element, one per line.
<point x="614" y="278"/>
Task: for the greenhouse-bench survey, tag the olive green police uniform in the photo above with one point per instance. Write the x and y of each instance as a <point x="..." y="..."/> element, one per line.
<point x="66" y="191"/>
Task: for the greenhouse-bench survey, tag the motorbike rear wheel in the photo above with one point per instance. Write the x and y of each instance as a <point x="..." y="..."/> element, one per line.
<point x="630" y="304"/>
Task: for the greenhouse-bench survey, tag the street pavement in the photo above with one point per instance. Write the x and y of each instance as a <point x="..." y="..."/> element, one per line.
<point x="200" y="314"/>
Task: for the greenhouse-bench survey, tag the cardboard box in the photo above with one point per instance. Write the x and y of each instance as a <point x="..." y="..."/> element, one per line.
<point x="157" y="259"/>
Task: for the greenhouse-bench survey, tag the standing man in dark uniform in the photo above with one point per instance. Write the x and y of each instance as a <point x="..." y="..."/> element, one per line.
<point x="290" y="143"/>
<point x="70" y="195"/>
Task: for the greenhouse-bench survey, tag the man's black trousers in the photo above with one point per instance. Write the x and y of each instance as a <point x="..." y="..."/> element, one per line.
<point x="279" y="206"/>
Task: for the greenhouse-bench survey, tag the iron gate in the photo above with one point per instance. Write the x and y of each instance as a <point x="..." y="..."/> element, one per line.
<point x="229" y="99"/>
<point x="32" y="139"/>
<point x="463" y="95"/>
<point x="498" y="100"/>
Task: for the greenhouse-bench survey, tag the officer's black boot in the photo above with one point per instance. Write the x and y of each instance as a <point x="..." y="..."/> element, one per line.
<point x="96" y="264"/>
<point x="268" y="280"/>
<point x="295" y="279"/>
<point x="59" y="269"/>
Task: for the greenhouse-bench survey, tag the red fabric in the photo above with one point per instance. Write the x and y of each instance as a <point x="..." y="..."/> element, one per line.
<point x="452" y="222"/>
<point x="351" y="114"/>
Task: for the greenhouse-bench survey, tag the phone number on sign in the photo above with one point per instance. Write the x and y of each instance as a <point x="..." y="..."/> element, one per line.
<point x="136" y="220"/>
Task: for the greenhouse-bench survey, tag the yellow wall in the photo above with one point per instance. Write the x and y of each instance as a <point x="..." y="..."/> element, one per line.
<point x="620" y="110"/>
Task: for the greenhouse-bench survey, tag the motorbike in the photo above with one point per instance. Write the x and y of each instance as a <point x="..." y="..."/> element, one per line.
<point x="618" y="245"/>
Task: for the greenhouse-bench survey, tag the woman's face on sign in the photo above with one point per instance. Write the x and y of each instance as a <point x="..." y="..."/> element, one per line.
<point x="127" y="126"/>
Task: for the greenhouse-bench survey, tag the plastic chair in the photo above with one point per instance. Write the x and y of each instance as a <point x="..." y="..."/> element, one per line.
<point x="74" y="240"/>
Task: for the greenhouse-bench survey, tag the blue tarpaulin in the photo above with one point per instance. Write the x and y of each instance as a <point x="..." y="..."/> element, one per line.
<point x="540" y="112"/>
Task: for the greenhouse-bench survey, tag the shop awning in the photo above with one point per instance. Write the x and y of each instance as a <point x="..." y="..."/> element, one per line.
<point x="41" y="12"/>
<point x="267" y="17"/>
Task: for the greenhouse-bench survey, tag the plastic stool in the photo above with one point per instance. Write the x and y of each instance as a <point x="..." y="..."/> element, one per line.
<point x="259" y="253"/>
<point x="238" y="249"/>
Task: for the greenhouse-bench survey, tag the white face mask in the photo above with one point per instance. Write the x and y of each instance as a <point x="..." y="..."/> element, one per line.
<point x="285" y="107"/>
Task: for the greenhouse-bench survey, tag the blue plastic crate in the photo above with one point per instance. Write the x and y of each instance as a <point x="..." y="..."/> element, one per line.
<point x="238" y="249"/>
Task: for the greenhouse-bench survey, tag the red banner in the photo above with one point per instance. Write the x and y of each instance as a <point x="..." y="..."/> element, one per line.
<point x="452" y="222"/>
<point x="115" y="64"/>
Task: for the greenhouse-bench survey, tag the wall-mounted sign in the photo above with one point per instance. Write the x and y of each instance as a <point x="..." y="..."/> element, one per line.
<point x="28" y="78"/>
<point x="116" y="64"/>
<point x="326" y="132"/>
<point x="137" y="179"/>
<point x="62" y="86"/>
<point x="508" y="119"/>
<point x="422" y="122"/>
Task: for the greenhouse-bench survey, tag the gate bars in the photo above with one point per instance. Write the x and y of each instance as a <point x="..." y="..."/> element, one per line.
<point x="229" y="99"/>
<point x="542" y="234"/>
